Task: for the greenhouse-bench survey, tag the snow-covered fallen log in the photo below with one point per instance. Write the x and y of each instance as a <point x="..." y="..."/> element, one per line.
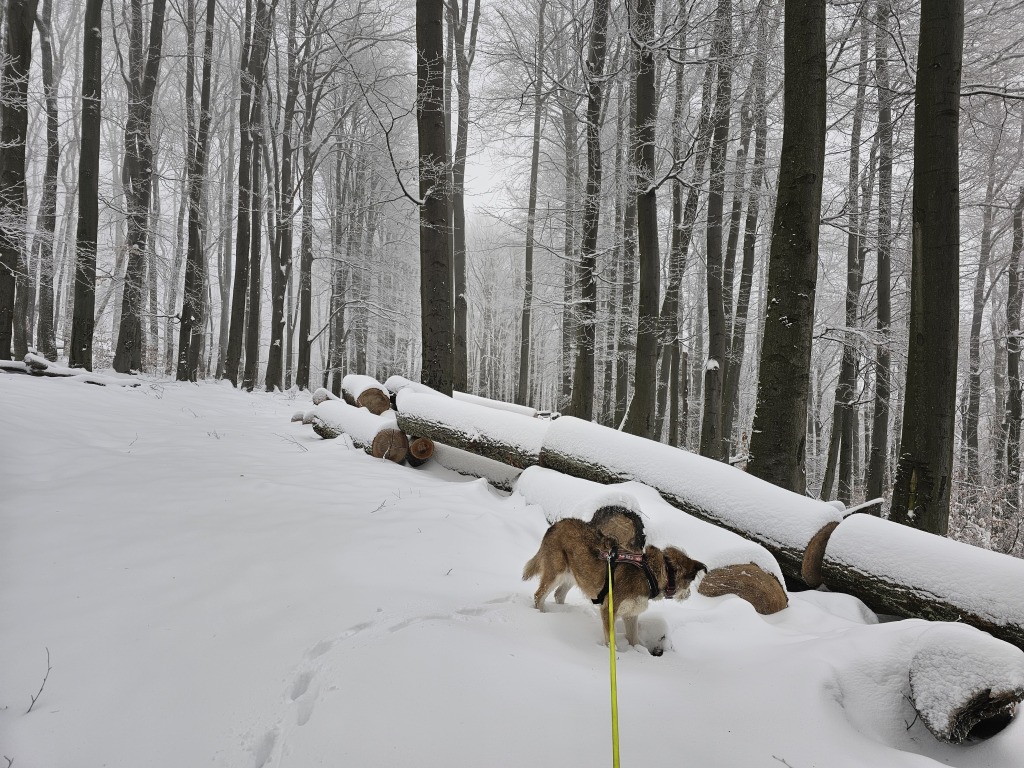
<point x="522" y="410"/>
<point x="502" y="436"/>
<point x="498" y="474"/>
<point x="321" y="395"/>
<point x="37" y="365"/>
<point x="377" y="434"/>
<point x="735" y="565"/>
<point x="902" y="571"/>
<point x="366" y="392"/>
<point x="396" y="384"/>
<point x="792" y="527"/>
<point x="962" y="680"/>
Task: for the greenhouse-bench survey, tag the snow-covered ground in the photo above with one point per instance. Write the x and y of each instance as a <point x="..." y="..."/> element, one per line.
<point x="218" y="586"/>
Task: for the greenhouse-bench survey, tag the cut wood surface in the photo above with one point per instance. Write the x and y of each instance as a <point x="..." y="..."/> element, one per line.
<point x="902" y="571"/>
<point x="420" y="450"/>
<point x="366" y="392"/>
<point x="390" y="444"/>
<point x="785" y="523"/>
<point x="736" y="565"/>
<point x="498" y="435"/>
<point x="333" y="418"/>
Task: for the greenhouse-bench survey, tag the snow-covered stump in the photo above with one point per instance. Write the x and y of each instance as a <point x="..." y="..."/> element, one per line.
<point x="965" y="683"/>
<point x="792" y="527"/>
<point x="366" y="392"/>
<point x="509" y="438"/>
<point x="902" y="571"/>
<point x="378" y="435"/>
<point x="735" y="565"/>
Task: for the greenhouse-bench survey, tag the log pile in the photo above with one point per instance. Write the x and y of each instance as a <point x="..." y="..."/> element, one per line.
<point x="366" y="392"/>
<point x="378" y="435"/>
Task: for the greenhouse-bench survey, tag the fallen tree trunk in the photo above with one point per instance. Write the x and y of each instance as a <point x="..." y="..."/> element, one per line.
<point x="964" y="683"/>
<point x="522" y="410"/>
<point x="735" y="565"/>
<point x="793" y="528"/>
<point x="366" y="392"/>
<point x="501" y="436"/>
<point x="902" y="571"/>
<point x="498" y="474"/>
<point x="373" y="433"/>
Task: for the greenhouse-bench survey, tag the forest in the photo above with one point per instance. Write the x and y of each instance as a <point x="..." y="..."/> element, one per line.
<point x="786" y="235"/>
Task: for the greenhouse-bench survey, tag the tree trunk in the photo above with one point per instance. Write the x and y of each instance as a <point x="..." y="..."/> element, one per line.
<point x="47" y="219"/>
<point x="21" y="16"/>
<point x="437" y="316"/>
<point x="194" y="307"/>
<point x="640" y="419"/>
<point x="582" y="400"/>
<point x="1011" y="504"/>
<point x="877" y="460"/>
<point x="711" y="438"/>
<point x="144" y="70"/>
<point x="780" y="424"/>
<point x="83" y="323"/>
<point x="531" y="213"/>
<point x="923" y="483"/>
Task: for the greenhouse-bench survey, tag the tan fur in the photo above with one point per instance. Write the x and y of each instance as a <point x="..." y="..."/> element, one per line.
<point x="570" y="553"/>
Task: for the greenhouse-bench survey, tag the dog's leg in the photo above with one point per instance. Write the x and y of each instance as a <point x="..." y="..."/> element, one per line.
<point x="546" y="585"/>
<point x="632" y="623"/>
<point x="563" y="589"/>
<point x="604" y="622"/>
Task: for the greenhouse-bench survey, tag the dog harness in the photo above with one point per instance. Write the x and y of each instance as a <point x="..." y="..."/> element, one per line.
<point x="640" y="561"/>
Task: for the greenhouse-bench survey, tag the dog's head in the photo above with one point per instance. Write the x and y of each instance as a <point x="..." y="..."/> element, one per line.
<point x="681" y="571"/>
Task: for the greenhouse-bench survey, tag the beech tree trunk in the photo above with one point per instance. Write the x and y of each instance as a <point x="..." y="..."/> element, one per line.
<point x="777" y="446"/>
<point x="436" y="300"/>
<point x="1005" y="536"/>
<point x="21" y="16"/>
<point x="924" y="475"/>
<point x="582" y="399"/>
<point x="640" y="419"/>
<point x="83" y="323"/>
<point x="47" y="219"/>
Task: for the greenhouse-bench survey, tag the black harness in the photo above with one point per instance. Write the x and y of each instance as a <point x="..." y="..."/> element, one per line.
<point x="639" y="560"/>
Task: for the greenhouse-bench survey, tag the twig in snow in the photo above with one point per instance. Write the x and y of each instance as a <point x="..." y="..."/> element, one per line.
<point x="774" y="757"/>
<point x="293" y="441"/>
<point x="40" y="691"/>
<point x="10" y="762"/>
<point x="380" y="507"/>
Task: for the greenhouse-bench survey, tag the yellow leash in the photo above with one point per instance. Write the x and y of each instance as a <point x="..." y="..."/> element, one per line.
<point x="611" y="661"/>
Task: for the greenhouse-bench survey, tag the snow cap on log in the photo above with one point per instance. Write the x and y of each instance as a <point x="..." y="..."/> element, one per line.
<point x="563" y="496"/>
<point x="522" y="410"/>
<point x="903" y="571"/>
<point x="782" y="521"/>
<point x="498" y="474"/>
<point x="960" y="677"/>
<point x="358" y="423"/>
<point x="499" y="435"/>
<point x="366" y="392"/>
<point x="396" y="384"/>
<point x="321" y="395"/>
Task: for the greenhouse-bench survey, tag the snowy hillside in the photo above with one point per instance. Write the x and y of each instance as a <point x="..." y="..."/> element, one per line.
<point x="218" y="586"/>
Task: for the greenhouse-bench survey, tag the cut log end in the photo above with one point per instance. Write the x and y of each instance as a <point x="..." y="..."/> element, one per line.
<point x="810" y="570"/>
<point x="390" y="444"/>
<point x="749" y="581"/>
<point x="376" y="401"/>
<point x="421" y="448"/>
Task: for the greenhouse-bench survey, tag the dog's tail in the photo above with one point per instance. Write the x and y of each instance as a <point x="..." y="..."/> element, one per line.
<point x="532" y="567"/>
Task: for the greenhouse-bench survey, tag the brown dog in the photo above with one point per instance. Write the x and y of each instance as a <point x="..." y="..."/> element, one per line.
<point x="575" y="552"/>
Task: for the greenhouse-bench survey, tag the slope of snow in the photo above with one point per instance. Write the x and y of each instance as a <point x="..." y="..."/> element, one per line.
<point x="218" y="586"/>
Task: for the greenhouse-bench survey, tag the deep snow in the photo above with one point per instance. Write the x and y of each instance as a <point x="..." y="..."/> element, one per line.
<point x="219" y="586"/>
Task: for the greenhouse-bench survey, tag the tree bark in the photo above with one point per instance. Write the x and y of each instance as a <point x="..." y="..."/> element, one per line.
<point x="13" y="134"/>
<point x="531" y="213"/>
<point x="878" y="454"/>
<point x="436" y="300"/>
<point x="47" y="219"/>
<point x="582" y="399"/>
<point x="83" y="323"/>
<point x="780" y="424"/>
<point x="640" y="418"/>
<point x="1011" y="505"/>
<point x="921" y="492"/>
<point x="193" y="309"/>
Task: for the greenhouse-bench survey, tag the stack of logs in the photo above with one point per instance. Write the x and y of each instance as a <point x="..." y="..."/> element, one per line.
<point x="814" y="542"/>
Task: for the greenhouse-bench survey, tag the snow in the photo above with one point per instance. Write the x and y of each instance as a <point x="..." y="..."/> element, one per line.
<point x="355" y="384"/>
<point x="743" y="500"/>
<point x="522" y="410"/>
<point x="985" y="583"/>
<point x="218" y="586"/>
